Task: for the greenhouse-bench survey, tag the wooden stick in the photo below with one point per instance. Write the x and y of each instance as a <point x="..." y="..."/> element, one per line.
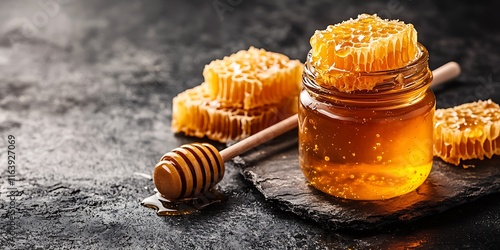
<point x="441" y="75"/>
<point x="445" y="73"/>
<point x="259" y="137"/>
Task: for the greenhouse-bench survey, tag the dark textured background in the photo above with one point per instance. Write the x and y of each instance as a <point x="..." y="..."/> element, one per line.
<point x="86" y="88"/>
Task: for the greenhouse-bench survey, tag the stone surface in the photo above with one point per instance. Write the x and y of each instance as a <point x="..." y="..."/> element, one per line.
<point x="86" y="88"/>
<point x="275" y="172"/>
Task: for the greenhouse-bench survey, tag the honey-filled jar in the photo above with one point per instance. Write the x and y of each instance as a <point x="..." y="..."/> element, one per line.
<point x="367" y="144"/>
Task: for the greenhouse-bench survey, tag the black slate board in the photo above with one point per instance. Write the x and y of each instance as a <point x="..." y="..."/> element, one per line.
<point x="274" y="170"/>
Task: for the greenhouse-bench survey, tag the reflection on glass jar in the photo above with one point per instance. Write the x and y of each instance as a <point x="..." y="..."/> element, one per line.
<point x="368" y="145"/>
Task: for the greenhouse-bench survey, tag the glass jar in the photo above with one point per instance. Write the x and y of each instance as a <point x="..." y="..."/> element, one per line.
<point x="368" y="145"/>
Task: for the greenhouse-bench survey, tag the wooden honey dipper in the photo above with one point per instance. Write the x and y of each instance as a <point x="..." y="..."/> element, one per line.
<point x="191" y="169"/>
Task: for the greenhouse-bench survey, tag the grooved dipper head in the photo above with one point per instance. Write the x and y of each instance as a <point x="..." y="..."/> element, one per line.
<point x="187" y="171"/>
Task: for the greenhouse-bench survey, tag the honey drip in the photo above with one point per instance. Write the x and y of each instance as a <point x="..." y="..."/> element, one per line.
<point x="165" y="207"/>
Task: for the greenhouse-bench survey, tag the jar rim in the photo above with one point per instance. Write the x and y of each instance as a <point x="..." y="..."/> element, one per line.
<point x="415" y="66"/>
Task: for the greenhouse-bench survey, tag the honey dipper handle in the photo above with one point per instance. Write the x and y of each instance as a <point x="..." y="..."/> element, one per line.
<point x="441" y="75"/>
<point x="259" y="138"/>
<point x="445" y="73"/>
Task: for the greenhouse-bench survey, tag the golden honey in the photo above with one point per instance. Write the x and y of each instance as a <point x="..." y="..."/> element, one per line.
<point x="368" y="144"/>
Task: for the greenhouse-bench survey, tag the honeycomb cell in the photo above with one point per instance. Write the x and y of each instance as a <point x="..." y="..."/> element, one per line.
<point x="467" y="131"/>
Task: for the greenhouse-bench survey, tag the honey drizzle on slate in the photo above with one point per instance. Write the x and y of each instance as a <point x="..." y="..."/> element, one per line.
<point x="165" y="207"/>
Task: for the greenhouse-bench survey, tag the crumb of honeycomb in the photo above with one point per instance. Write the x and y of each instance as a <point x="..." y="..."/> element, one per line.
<point x="467" y="131"/>
<point x="195" y="114"/>
<point x="252" y="78"/>
<point x="365" y="44"/>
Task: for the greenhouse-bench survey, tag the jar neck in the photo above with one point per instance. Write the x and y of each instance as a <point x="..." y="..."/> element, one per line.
<point x="401" y="86"/>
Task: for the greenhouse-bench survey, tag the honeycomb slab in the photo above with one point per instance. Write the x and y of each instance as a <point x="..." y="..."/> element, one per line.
<point x="252" y="78"/>
<point x="366" y="44"/>
<point x="468" y="131"/>
<point x="196" y="114"/>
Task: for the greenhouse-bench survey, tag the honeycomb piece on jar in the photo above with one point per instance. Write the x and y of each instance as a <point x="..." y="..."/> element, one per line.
<point x="194" y="113"/>
<point x="365" y="44"/>
<point x="468" y="131"/>
<point x="252" y="78"/>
